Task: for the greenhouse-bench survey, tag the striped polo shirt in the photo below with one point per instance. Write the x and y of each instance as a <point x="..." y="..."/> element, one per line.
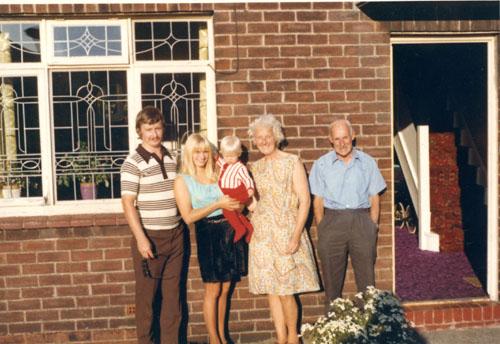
<point x="151" y="180"/>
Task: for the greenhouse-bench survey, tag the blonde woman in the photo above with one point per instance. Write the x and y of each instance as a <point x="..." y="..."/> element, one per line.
<point x="200" y="201"/>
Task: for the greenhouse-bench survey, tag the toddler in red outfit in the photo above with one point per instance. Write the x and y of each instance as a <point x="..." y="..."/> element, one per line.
<point x="235" y="181"/>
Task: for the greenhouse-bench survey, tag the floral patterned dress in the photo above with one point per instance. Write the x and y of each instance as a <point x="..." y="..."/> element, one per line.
<point x="270" y="270"/>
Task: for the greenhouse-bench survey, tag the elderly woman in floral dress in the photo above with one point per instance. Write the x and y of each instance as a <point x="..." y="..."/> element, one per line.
<point x="281" y="261"/>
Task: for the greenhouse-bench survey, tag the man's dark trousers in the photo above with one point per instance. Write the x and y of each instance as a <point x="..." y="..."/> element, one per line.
<point x="343" y="232"/>
<point x="169" y="246"/>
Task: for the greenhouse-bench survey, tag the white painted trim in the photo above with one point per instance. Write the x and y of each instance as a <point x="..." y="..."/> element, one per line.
<point x="393" y="200"/>
<point x="492" y="172"/>
<point x="493" y="149"/>
<point x="20" y="209"/>
<point x="210" y="86"/>
<point x="427" y="240"/>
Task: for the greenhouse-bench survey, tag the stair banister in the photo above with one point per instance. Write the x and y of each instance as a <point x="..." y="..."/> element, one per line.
<point x="427" y="240"/>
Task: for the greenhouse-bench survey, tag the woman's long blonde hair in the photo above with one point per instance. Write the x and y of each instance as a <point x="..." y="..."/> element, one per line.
<point x="196" y="142"/>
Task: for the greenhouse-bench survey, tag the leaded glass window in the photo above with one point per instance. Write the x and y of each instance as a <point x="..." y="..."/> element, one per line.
<point x="90" y="132"/>
<point x="92" y="41"/>
<point x="170" y="40"/>
<point x="19" y="42"/>
<point x="69" y="96"/>
<point x="95" y="40"/>
<point x="20" y="159"/>
<point x="178" y="96"/>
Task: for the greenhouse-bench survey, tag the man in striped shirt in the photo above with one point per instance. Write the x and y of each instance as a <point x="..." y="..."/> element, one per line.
<point x="147" y="182"/>
<point x="235" y="181"/>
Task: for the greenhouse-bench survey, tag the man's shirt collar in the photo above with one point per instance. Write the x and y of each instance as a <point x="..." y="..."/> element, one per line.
<point x="146" y="155"/>
<point x="355" y="155"/>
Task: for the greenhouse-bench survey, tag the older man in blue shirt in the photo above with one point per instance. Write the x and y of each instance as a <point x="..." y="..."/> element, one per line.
<point x="346" y="184"/>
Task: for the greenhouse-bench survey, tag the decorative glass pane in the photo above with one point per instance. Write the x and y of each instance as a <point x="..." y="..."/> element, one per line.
<point x="20" y="158"/>
<point x="87" y="40"/>
<point x="90" y="133"/>
<point x="157" y="41"/>
<point x="19" y="42"/>
<point x="181" y="98"/>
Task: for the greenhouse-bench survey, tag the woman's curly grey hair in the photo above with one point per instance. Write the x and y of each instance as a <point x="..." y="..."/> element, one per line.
<point x="267" y="121"/>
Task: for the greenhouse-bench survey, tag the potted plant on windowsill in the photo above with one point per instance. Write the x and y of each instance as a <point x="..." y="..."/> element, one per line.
<point x="88" y="187"/>
<point x="11" y="187"/>
<point x="86" y="170"/>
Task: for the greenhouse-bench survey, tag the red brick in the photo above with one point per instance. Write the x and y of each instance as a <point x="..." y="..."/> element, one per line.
<point x="330" y="96"/>
<point x="260" y="52"/>
<point x="360" y="95"/>
<point x="263" y="6"/>
<point x="16" y="305"/>
<point x="344" y="108"/>
<point x="294" y="27"/>
<point x="282" y="109"/>
<point x="54" y="280"/>
<point x="419" y="317"/>
<point x="276" y="16"/>
<point x="296" y="74"/>
<point x="477" y="314"/>
<point x="59" y="326"/>
<point x="76" y="313"/>
<point x="457" y="315"/>
<point x="72" y="291"/>
<point x="106" y="266"/>
<point x="92" y="301"/>
<point x="345" y="84"/>
<point x="26" y="327"/>
<point x="312" y="85"/>
<point x="45" y="245"/>
<point x="360" y="73"/>
<point x="107" y="289"/>
<point x="327" y="51"/>
<point x="42" y="292"/>
<point x="496" y="311"/>
<point x="53" y="256"/>
<point x="327" y="27"/>
<point x="31" y="269"/>
<point x="266" y="97"/>
<point x="428" y="317"/>
<point x="72" y="267"/>
<point x="87" y="255"/>
<point x="359" y="27"/>
<point x="119" y="253"/>
<point x="299" y="96"/>
<point x="262" y="28"/>
<point x="18" y="282"/>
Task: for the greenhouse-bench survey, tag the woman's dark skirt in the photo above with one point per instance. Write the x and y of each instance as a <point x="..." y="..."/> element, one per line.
<point x="220" y="259"/>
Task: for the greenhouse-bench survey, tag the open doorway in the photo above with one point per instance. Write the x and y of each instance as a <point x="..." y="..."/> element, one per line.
<point x="442" y="87"/>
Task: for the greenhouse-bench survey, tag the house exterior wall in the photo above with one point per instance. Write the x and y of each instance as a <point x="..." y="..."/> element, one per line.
<point x="68" y="278"/>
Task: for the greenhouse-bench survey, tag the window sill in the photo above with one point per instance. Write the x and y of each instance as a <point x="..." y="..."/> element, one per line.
<point x="24" y="207"/>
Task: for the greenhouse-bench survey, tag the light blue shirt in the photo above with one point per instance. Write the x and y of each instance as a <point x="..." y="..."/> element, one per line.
<point x="346" y="186"/>
<point x="203" y="194"/>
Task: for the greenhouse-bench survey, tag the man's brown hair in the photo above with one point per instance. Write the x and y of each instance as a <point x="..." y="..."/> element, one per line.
<point x="148" y="115"/>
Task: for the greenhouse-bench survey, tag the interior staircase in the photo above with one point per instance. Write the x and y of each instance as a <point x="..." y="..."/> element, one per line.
<point x="445" y="192"/>
<point x="472" y="180"/>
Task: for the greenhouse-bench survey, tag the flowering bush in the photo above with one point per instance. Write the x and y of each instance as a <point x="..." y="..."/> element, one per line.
<point x="375" y="317"/>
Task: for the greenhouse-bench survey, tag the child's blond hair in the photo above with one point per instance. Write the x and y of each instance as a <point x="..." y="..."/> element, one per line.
<point x="230" y="144"/>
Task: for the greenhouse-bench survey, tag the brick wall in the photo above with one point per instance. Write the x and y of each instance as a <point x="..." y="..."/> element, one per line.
<point x="68" y="278"/>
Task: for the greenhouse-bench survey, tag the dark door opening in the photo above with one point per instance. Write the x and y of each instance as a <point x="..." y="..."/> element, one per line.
<point x="444" y="86"/>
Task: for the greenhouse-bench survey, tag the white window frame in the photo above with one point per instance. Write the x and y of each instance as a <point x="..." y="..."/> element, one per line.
<point x="47" y="205"/>
<point x="79" y="60"/>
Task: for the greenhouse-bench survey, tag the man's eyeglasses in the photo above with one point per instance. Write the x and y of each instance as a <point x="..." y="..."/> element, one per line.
<point x="152" y="274"/>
